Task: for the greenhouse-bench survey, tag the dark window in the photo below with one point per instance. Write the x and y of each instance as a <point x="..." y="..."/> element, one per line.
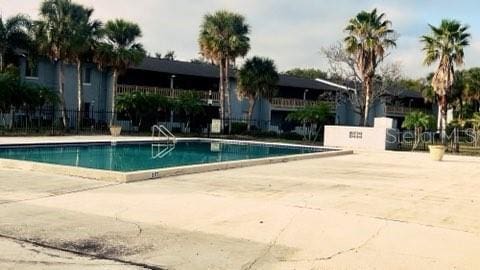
<point x="86" y="110"/>
<point x="31" y="69"/>
<point x="87" y="76"/>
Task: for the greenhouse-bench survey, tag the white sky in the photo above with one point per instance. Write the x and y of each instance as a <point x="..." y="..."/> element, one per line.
<point x="290" y="32"/>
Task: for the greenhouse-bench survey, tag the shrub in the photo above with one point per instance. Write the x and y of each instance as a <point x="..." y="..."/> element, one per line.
<point x="239" y="128"/>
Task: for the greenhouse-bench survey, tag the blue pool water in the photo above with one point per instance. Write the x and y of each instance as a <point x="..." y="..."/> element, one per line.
<point x="144" y="156"/>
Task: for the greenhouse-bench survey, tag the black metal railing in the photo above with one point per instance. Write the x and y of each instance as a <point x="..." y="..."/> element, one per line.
<point x="93" y="122"/>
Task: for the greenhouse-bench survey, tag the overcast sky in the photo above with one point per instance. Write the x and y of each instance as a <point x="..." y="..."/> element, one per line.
<point x="292" y="32"/>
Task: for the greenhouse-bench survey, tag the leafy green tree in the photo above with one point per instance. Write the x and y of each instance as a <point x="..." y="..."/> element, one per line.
<point x="8" y="84"/>
<point x="418" y="122"/>
<point x="369" y="37"/>
<point x="15" y="94"/>
<point x="314" y="116"/>
<point x="118" y="51"/>
<point x="138" y="106"/>
<point x="13" y="35"/>
<point x="307" y="73"/>
<point x="472" y="87"/>
<point x="223" y="38"/>
<point x="257" y="78"/>
<point x="445" y="44"/>
<point x="189" y="104"/>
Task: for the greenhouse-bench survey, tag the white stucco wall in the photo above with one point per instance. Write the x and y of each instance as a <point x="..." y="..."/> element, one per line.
<point x="371" y="138"/>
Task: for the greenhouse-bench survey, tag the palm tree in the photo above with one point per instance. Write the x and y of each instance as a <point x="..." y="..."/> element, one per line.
<point x="223" y="38"/>
<point x="85" y="34"/>
<point x="13" y="35"/>
<point x="257" y="78"/>
<point x="53" y="36"/>
<point x="417" y="121"/>
<point x="445" y="44"/>
<point x="118" y="51"/>
<point x="369" y="36"/>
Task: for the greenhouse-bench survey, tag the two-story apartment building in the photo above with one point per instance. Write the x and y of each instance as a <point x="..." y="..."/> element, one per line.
<point x="170" y="78"/>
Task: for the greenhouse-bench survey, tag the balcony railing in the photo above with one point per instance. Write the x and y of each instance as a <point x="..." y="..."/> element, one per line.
<point x="277" y="103"/>
<point x="400" y="110"/>
<point x="293" y="104"/>
<point x="172" y="93"/>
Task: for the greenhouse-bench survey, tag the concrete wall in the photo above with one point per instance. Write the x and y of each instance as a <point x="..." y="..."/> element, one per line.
<point x="370" y="138"/>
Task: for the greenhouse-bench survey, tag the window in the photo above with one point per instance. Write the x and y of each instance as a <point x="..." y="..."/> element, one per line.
<point x="87" y="76"/>
<point x="31" y="69"/>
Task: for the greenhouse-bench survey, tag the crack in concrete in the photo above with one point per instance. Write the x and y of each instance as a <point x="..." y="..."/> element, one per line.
<point x="387" y="219"/>
<point x="59" y="194"/>
<point x="117" y="218"/>
<point x="50" y="263"/>
<point x="273" y="243"/>
<point x="341" y="252"/>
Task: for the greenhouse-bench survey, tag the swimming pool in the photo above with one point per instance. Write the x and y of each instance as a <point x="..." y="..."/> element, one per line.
<point x="141" y="160"/>
<point x="127" y="157"/>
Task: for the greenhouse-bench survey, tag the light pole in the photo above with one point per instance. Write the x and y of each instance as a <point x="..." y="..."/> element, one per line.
<point x="304" y="105"/>
<point x="93" y="113"/>
<point x="209" y="102"/>
<point x="172" y="78"/>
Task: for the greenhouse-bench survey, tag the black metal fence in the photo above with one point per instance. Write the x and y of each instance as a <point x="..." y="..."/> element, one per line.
<point x="92" y="122"/>
<point x="54" y="122"/>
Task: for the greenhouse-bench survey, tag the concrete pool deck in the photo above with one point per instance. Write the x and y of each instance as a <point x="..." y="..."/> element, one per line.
<point x="370" y="210"/>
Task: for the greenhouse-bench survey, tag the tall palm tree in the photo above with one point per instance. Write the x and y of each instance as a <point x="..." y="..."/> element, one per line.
<point x="223" y="38"/>
<point x="84" y="36"/>
<point x="445" y="44"/>
<point x="53" y="35"/>
<point x="13" y="35"/>
<point x="257" y="78"/>
<point x="119" y="50"/>
<point x="369" y="37"/>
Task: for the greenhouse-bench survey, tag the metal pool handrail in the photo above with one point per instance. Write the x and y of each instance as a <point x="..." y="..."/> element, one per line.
<point x="162" y="130"/>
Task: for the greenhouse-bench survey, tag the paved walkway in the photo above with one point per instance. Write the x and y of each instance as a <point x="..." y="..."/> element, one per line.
<point x="364" y="211"/>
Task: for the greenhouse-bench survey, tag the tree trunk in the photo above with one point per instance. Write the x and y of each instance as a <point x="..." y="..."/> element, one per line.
<point x="12" y="117"/>
<point x="251" y="105"/>
<point x="79" y="94"/>
<point x="61" y="74"/>
<point x="461" y="107"/>
<point x="112" y="98"/>
<point x="368" y="93"/>
<point x="227" y="96"/>
<point x="361" y="113"/>
<point x="443" y="121"/>
<point x="1" y="61"/>
<point x="222" y="97"/>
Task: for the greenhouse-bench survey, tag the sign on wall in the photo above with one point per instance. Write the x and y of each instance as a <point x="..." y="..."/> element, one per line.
<point x="215" y="127"/>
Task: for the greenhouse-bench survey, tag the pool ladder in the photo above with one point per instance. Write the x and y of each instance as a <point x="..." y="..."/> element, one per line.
<point x="163" y="132"/>
<point x="162" y="148"/>
<point x="160" y="151"/>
